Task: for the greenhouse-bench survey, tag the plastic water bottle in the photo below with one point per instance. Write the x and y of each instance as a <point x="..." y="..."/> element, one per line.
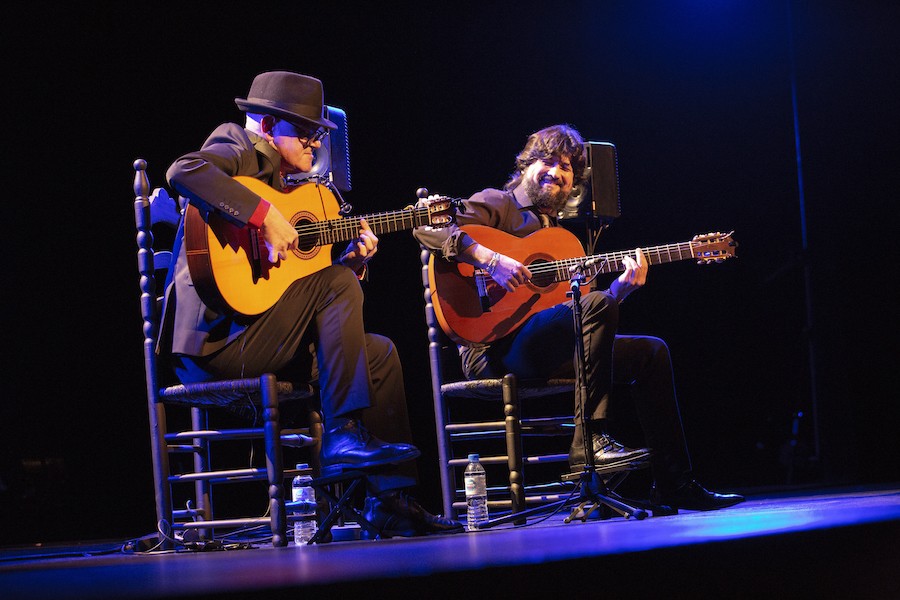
<point x="304" y="495"/>
<point x="476" y="493"/>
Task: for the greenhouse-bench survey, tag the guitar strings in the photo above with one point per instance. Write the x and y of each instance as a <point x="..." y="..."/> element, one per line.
<point x="613" y="260"/>
<point x="336" y="229"/>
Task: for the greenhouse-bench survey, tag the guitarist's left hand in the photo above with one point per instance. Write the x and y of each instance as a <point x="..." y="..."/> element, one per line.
<point x="634" y="276"/>
<point x="358" y="253"/>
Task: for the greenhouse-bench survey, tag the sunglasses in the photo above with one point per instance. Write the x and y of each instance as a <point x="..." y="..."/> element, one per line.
<point x="316" y="134"/>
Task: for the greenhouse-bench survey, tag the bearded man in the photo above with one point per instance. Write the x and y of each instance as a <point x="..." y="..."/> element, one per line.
<point x="546" y="171"/>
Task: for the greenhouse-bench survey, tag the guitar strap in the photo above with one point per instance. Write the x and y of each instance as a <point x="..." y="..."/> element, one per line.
<point x="545" y="220"/>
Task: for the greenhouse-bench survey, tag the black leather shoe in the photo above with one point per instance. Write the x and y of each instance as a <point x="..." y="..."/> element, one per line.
<point x="607" y="453"/>
<point x="397" y="514"/>
<point x="350" y="446"/>
<point x="693" y="496"/>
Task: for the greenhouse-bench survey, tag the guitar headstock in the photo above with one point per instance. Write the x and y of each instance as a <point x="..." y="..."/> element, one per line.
<point x="713" y="247"/>
<point x="441" y="210"/>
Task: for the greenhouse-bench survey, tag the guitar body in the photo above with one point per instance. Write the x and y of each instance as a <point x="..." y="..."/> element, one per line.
<point x="229" y="265"/>
<point x="469" y="314"/>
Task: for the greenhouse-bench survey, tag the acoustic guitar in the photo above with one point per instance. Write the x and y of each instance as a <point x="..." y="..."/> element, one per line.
<point x="472" y="308"/>
<point x="230" y="265"/>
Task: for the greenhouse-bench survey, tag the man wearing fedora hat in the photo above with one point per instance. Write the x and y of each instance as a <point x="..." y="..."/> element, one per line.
<point x="315" y="329"/>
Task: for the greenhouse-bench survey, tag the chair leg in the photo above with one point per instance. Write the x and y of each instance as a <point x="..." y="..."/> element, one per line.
<point x="513" y="428"/>
<point x="160" y="455"/>
<point x="202" y="464"/>
<point x="444" y="446"/>
<point x="274" y="461"/>
<point x="316" y="431"/>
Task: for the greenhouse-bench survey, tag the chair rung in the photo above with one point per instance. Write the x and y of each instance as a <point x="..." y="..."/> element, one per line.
<point x="491" y="491"/>
<point x="484" y="426"/>
<point x="222" y="523"/>
<point x="184" y="449"/>
<point x="296" y="440"/>
<point x="491" y="504"/>
<point x="502" y="459"/>
<point x="477" y="435"/>
<point x="545" y="458"/>
<point x="210" y="434"/>
<point x="290" y="438"/>
<point x="530" y="498"/>
<point x="490" y="389"/>
<point x="185" y="513"/>
<point x="485" y="460"/>
<point x="568" y="421"/>
<point x="221" y="476"/>
<point x="545" y="498"/>
<point x="548" y="426"/>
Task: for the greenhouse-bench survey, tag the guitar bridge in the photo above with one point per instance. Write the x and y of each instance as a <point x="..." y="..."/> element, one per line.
<point x="481" y="279"/>
<point x="255" y="262"/>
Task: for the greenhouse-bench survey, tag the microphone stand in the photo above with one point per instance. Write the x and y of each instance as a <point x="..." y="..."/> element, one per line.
<point x="593" y="491"/>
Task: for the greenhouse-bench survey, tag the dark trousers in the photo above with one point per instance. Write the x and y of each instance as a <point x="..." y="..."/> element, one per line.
<point x="315" y="333"/>
<point x="544" y="347"/>
<point x="643" y="365"/>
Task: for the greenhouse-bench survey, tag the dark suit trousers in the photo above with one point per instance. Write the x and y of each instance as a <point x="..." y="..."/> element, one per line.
<point x="544" y="347"/>
<point x="315" y="332"/>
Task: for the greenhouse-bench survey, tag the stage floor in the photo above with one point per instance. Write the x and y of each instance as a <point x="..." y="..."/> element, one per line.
<point x="813" y="543"/>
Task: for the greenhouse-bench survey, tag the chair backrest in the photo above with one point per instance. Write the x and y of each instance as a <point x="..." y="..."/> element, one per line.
<point x="153" y="211"/>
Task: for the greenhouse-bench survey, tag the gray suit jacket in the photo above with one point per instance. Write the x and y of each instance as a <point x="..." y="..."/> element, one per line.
<point x="205" y="179"/>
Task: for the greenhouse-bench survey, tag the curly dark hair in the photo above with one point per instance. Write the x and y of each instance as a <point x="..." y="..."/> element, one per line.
<point x="555" y="140"/>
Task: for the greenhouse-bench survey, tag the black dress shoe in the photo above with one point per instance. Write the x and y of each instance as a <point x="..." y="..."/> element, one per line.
<point x="397" y="514"/>
<point x="607" y="453"/>
<point x="693" y="496"/>
<point x="350" y="446"/>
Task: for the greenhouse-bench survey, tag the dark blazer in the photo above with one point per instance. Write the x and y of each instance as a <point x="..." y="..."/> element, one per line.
<point x="204" y="178"/>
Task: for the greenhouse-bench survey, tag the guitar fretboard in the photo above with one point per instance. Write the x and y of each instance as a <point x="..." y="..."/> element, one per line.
<point x="342" y="230"/>
<point x="613" y="262"/>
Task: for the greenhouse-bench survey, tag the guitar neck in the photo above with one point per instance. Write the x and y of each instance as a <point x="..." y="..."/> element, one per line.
<point x="614" y="262"/>
<point x="333" y="231"/>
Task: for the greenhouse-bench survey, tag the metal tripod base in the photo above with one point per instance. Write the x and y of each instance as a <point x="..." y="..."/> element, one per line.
<point x="594" y="494"/>
<point x="590" y="480"/>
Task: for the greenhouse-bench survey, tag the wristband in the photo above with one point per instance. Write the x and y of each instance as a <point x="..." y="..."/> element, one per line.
<point x="493" y="264"/>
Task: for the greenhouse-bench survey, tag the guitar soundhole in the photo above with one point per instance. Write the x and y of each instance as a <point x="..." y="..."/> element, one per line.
<point x="542" y="275"/>
<point x="308" y="243"/>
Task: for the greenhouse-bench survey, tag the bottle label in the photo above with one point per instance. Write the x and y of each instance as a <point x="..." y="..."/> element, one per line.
<point x="304" y="499"/>
<point x="475" y="486"/>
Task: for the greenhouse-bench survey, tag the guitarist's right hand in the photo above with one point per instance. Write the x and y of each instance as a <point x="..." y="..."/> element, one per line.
<point x="510" y="273"/>
<point x="505" y="270"/>
<point x="278" y="234"/>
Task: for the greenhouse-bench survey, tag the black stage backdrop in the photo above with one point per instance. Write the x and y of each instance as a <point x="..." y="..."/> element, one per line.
<point x="698" y="97"/>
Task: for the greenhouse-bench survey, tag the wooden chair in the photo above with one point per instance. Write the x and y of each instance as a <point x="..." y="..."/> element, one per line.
<point x="460" y="406"/>
<point x="264" y="395"/>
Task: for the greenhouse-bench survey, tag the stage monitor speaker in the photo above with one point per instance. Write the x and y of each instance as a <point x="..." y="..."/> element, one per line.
<point x="332" y="158"/>
<point x="596" y="200"/>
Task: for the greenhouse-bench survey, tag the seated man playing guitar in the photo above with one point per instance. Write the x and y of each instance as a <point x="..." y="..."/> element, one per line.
<point x="359" y="374"/>
<point x="527" y="327"/>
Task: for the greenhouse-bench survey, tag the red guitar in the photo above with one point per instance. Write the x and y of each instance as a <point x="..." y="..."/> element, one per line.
<point x="472" y="308"/>
<point x="230" y="265"/>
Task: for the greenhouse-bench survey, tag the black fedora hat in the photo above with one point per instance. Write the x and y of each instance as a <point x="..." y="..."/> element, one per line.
<point x="290" y="96"/>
